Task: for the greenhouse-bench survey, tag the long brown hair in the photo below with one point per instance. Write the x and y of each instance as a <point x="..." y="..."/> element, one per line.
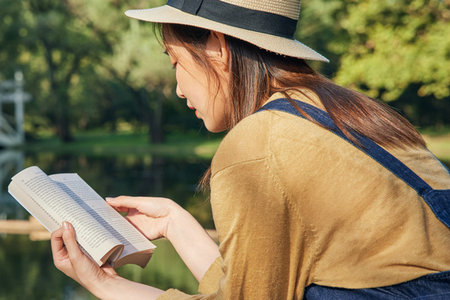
<point x="257" y="74"/>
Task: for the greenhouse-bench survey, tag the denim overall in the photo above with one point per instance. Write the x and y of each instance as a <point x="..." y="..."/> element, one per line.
<point x="430" y="287"/>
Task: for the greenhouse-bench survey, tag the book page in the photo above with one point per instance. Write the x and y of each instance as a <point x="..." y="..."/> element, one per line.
<point x="33" y="207"/>
<point x="93" y="237"/>
<point x="124" y="231"/>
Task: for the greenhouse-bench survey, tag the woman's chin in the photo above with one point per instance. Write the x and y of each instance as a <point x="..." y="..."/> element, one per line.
<point x="214" y="128"/>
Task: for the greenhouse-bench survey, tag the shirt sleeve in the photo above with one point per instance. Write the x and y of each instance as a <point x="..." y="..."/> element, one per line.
<point x="207" y="288"/>
<point x="210" y="281"/>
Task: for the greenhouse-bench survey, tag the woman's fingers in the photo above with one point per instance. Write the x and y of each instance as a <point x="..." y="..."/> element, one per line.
<point x="60" y="255"/>
<point x="151" y="206"/>
<point x="57" y="243"/>
<point x="78" y="265"/>
<point x="108" y="269"/>
<point x="122" y="203"/>
<point x="70" y="242"/>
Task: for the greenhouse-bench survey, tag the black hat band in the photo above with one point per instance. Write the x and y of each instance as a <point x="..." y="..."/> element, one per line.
<point x="238" y="16"/>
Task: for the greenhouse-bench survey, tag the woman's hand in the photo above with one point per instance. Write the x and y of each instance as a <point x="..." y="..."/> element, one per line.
<point x="103" y="282"/>
<point x="152" y="216"/>
<point x="69" y="259"/>
<point x="162" y="217"/>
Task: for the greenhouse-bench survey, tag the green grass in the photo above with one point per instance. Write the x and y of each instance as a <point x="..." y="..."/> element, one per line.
<point x="178" y="145"/>
<point x="436" y="132"/>
<point x="105" y="144"/>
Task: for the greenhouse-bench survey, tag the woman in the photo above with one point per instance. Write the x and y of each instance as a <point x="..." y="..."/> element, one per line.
<point x="305" y="205"/>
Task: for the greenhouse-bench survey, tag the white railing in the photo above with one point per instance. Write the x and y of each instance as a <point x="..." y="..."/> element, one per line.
<point x="11" y="127"/>
<point x="11" y="162"/>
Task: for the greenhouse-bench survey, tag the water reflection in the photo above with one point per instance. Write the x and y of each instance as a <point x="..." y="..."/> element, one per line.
<point x="26" y="266"/>
<point x="10" y="163"/>
<point x="124" y="174"/>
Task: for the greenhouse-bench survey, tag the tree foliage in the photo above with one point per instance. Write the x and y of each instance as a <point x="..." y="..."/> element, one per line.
<point x="88" y="66"/>
<point x="395" y="44"/>
<point x="394" y="50"/>
<point x="136" y="66"/>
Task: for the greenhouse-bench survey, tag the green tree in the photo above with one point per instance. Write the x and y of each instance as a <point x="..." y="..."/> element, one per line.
<point x="394" y="50"/>
<point x="11" y="31"/>
<point x="86" y="70"/>
<point x="136" y="62"/>
<point x="65" y="45"/>
<point x="319" y="28"/>
<point x="87" y="65"/>
<point x="395" y="44"/>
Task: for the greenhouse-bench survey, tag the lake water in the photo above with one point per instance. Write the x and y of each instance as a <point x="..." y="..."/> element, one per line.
<point x="26" y="267"/>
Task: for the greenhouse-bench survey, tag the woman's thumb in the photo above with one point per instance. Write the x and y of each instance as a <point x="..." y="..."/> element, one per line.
<point x="70" y="241"/>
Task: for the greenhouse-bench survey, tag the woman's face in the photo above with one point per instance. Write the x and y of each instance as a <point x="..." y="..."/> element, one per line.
<point x="203" y="94"/>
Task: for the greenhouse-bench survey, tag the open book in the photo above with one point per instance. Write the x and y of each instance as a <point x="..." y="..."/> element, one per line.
<point x="103" y="233"/>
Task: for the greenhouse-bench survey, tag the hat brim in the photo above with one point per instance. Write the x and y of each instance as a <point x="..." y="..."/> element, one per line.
<point x="276" y="44"/>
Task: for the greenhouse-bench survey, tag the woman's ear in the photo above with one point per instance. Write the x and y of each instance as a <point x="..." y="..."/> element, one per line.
<point x="217" y="49"/>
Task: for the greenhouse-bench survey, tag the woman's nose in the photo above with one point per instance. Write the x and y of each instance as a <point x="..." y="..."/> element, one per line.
<point x="179" y="92"/>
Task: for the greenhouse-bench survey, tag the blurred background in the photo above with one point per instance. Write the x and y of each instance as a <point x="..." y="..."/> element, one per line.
<point x="85" y="89"/>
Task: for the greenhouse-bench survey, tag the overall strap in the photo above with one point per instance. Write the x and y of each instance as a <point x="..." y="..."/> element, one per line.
<point x="437" y="200"/>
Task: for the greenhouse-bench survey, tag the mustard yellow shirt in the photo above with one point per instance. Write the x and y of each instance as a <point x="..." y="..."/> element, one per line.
<point x="294" y="204"/>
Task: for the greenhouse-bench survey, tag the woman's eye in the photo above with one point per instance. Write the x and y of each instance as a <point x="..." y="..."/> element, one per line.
<point x="174" y="65"/>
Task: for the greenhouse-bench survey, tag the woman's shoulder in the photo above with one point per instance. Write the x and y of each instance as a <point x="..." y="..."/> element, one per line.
<point x="263" y="134"/>
<point x="247" y="141"/>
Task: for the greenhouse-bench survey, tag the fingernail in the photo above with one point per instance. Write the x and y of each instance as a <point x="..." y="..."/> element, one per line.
<point x="66" y="225"/>
<point x="108" y="199"/>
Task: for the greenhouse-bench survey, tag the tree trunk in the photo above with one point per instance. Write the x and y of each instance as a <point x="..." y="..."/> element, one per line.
<point x="151" y="109"/>
<point x="59" y="91"/>
<point x="63" y="117"/>
<point x="156" y="125"/>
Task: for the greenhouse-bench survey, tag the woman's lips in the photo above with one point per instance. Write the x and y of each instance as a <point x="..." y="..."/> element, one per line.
<point x="196" y="112"/>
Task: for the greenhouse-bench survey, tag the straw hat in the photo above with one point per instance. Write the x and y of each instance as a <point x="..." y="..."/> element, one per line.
<point x="268" y="24"/>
